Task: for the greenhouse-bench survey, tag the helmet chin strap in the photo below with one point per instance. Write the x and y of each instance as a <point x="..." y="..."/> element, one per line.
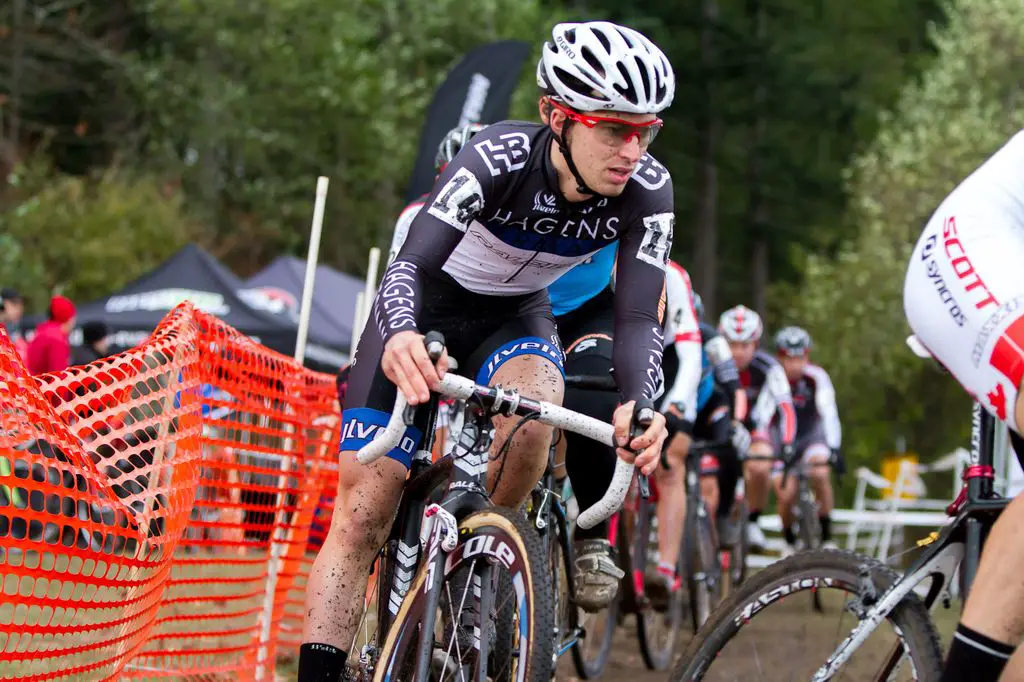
<point x="563" y="147"/>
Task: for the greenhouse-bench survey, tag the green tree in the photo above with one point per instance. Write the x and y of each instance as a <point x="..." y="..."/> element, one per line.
<point x="86" y="236"/>
<point x="963" y="108"/>
<point x="251" y="102"/>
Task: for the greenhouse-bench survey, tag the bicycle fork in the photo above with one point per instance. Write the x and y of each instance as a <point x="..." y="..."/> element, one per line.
<point x="940" y="566"/>
<point x="439" y="537"/>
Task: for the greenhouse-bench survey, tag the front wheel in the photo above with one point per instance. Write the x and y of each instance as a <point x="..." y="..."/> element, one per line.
<point x="499" y="545"/>
<point x="758" y="633"/>
<point x="740" y="548"/>
<point x="810" y="535"/>
<point x="700" y="562"/>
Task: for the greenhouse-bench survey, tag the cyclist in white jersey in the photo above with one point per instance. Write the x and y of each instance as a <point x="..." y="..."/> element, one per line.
<point x="964" y="299"/>
<point x="518" y="207"/>
<point x="682" y="333"/>
<point x="818" y="429"/>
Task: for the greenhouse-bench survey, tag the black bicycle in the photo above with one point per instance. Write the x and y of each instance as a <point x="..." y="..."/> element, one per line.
<point x="700" y="561"/>
<point x="462" y="586"/>
<point x="859" y="586"/>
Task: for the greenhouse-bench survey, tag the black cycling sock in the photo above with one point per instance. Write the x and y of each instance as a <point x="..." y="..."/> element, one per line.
<point x="826" y="527"/>
<point x="754" y="516"/>
<point x="790" y="536"/>
<point x="320" y="663"/>
<point x="975" y="657"/>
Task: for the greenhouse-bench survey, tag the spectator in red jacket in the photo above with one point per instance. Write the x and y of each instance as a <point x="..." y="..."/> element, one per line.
<point x="50" y="349"/>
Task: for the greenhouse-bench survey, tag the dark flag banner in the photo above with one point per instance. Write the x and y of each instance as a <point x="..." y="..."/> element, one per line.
<point x="478" y="90"/>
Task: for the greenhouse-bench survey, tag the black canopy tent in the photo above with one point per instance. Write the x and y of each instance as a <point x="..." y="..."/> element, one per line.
<point x="193" y="274"/>
<point x="334" y="297"/>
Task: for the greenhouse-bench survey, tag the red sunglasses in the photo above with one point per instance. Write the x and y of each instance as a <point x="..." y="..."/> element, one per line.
<point x="615" y="130"/>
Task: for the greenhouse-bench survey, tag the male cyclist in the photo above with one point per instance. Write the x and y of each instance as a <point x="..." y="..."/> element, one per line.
<point x="768" y="394"/>
<point x="519" y="206"/>
<point x="818" y="431"/>
<point x="583" y="301"/>
<point x="963" y="298"/>
<point x="720" y="397"/>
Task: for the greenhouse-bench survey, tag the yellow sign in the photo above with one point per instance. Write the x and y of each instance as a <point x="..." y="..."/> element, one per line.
<point x="891" y="471"/>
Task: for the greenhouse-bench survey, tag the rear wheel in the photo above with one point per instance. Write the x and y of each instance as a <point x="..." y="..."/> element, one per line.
<point x="657" y="629"/>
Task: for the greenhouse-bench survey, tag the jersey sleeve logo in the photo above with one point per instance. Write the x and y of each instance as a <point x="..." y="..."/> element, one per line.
<point x="506" y="154"/>
<point x="657" y="241"/>
<point x="459" y="201"/>
<point x="650" y="173"/>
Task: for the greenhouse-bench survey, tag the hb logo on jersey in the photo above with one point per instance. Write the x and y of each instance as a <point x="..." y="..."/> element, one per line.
<point x="506" y="154"/>
<point x="650" y="173"/>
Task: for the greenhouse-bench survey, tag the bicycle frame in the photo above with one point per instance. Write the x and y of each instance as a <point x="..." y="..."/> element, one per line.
<point x="956" y="544"/>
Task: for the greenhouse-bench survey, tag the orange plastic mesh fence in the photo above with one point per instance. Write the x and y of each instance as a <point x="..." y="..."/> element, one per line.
<point x="156" y="507"/>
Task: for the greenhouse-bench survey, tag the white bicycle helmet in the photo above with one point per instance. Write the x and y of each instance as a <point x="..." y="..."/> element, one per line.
<point x="740" y="324"/>
<point x="793" y="341"/>
<point x="600" y="65"/>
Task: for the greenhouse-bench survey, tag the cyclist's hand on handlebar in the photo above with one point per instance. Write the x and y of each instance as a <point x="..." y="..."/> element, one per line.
<point x="406" y="363"/>
<point x="645" y="450"/>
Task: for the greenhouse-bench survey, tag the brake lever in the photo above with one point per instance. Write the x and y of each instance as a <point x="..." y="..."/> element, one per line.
<point x="643" y="415"/>
<point x="643" y="485"/>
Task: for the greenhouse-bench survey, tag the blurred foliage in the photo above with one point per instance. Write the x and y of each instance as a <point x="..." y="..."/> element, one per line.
<point x="85" y="236"/>
<point x="965" y="106"/>
<point x="131" y="127"/>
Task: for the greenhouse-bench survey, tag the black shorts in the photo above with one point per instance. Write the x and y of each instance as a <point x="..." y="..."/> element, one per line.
<point x="481" y="333"/>
<point x="810" y="443"/>
<point x="586" y="336"/>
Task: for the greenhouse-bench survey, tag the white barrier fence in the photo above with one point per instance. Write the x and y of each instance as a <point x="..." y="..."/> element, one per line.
<point x="875" y="525"/>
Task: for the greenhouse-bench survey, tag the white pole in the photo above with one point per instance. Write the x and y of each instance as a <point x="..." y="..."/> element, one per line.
<point x="371" y="285"/>
<point x="311" y="260"/>
<point x="357" y="323"/>
<point x="280" y="537"/>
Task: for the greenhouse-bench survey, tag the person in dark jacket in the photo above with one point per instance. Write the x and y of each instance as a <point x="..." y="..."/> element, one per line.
<point x="12" y="306"/>
<point x="95" y="343"/>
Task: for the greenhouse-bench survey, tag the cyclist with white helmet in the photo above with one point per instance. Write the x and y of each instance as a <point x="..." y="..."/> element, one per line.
<point x="453" y="141"/>
<point x="818" y="430"/>
<point x="771" y="419"/>
<point x="519" y="206"/>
